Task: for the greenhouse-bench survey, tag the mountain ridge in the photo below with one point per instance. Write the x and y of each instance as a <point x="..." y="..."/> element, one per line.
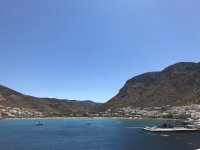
<point x="12" y="98"/>
<point x="176" y="84"/>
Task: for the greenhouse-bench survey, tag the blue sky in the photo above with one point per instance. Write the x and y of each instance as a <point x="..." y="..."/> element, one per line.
<point x="87" y="49"/>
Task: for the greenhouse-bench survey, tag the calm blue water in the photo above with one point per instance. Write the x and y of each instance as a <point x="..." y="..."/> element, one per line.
<point x="102" y="134"/>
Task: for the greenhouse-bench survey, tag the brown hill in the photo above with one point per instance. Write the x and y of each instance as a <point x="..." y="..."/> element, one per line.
<point x="11" y="98"/>
<point x="178" y="84"/>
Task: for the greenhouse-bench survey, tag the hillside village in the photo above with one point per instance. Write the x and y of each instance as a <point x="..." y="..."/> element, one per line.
<point x="8" y="112"/>
<point x="175" y="112"/>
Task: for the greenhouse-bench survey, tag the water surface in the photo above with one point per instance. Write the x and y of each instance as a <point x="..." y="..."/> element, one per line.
<point x="102" y="134"/>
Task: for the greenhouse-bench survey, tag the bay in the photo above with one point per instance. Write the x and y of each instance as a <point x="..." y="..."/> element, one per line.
<point x="101" y="134"/>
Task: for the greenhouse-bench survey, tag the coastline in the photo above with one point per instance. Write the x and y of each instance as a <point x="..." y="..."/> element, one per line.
<point x="125" y="118"/>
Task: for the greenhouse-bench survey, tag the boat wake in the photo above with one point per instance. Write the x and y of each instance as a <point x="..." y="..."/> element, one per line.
<point x="151" y="134"/>
<point x="164" y="135"/>
<point x="134" y="127"/>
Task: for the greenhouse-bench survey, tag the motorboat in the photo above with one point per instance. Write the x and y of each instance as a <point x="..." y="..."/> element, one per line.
<point x="88" y="123"/>
<point x="39" y="123"/>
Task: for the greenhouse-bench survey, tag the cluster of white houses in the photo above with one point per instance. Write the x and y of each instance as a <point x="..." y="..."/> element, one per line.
<point x="190" y="111"/>
<point x="18" y="113"/>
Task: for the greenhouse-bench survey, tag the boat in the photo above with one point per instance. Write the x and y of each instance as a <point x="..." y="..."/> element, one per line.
<point x="39" y="124"/>
<point x="176" y="129"/>
<point x="169" y="128"/>
<point x="88" y="123"/>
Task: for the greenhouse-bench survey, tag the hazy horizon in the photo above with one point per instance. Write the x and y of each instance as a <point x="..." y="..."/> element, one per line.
<point x="87" y="50"/>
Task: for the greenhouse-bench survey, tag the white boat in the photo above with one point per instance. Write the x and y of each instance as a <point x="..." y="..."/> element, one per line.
<point x="175" y="129"/>
<point x="169" y="128"/>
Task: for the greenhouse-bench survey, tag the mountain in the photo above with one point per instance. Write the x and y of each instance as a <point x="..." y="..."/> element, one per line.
<point x="178" y="84"/>
<point x="13" y="99"/>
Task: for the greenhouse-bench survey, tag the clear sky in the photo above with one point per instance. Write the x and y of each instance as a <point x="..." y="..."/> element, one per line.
<point x="87" y="49"/>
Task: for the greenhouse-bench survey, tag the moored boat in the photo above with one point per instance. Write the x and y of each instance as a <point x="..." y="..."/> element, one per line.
<point x="88" y="123"/>
<point x="169" y="128"/>
<point x="176" y="129"/>
<point x="39" y="124"/>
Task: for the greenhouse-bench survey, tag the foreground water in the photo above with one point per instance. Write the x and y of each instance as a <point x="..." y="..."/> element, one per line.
<point x="102" y="134"/>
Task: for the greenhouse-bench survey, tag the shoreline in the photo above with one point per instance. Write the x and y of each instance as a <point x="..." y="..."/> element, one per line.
<point x="59" y="118"/>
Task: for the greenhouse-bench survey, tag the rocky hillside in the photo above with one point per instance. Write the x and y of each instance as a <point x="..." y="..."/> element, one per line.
<point x="176" y="85"/>
<point x="13" y="99"/>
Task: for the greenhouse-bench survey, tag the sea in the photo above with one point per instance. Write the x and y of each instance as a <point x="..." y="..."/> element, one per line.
<point x="99" y="134"/>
